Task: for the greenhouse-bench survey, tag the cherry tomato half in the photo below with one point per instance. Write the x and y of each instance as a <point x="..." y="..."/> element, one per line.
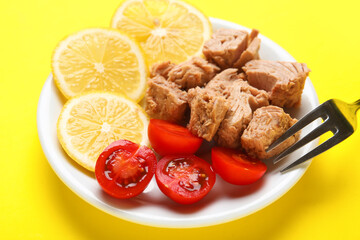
<point x="184" y="178"/>
<point x="124" y="169"/>
<point x="235" y="167"/>
<point x="168" y="138"/>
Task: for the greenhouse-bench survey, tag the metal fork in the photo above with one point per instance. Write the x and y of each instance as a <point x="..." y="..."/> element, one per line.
<point x="339" y="118"/>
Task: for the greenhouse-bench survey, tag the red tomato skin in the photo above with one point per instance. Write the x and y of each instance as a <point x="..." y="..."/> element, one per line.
<point x="170" y="186"/>
<point x="167" y="138"/>
<point x="110" y="186"/>
<point x="241" y="170"/>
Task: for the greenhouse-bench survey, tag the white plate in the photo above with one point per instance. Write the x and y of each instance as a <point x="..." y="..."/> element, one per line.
<point x="224" y="203"/>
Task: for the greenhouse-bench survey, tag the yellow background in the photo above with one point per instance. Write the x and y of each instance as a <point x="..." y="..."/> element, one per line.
<point x="35" y="204"/>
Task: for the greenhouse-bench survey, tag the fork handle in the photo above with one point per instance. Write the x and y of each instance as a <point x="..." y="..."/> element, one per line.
<point x="356" y="105"/>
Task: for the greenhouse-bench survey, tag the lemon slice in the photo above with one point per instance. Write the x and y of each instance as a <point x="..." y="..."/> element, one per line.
<point x="166" y="29"/>
<point x="102" y="60"/>
<point x="89" y="122"/>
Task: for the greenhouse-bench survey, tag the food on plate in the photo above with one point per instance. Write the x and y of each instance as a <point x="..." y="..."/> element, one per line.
<point x="102" y="60"/>
<point x="207" y="110"/>
<point x="284" y="81"/>
<point x="162" y="69"/>
<point x="243" y="99"/>
<point x="124" y="169"/>
<point x="232" y="48"/>
<point x="167" y="30"/>
<point x="235" y="100"/>
<point x="223" y="95"/>
<point x="222" y="106"/>
<point x="195" y="72"/>
<point x="185" y="179"/>
<point x="222" y="82"/>
<point x="166" y="97"/>
<point x="236" y="167"/>
<point x="165" y="100"/>
<point x="252" y="50"/>
<point x="167" y="138"/>
<point x="268" y="124"/>
<point x="225" y="47"/>
<point x="90" y="122"/>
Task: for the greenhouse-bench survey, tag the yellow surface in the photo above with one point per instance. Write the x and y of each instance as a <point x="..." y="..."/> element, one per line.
<point x="35" y="204"/>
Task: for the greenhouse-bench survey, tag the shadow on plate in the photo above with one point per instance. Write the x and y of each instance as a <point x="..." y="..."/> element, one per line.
<point x="157" y="198"/>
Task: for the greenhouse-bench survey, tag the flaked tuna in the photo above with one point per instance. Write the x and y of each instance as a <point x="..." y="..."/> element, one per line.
<point x="222" y="82"/>
<point x="225" y="47"/>
<point x="254" y="33"/>
<point x="242" y="99"/>
<point x="165" y="100"/>
<point x="284" y="81"/>
<point x="195" y="72"/>
<point x="229" y="48"/>
<point x="267" y="125"/>
<point x="161" y="69"/>
<point x="208" y="109"/>
<point x="251" y="53"/>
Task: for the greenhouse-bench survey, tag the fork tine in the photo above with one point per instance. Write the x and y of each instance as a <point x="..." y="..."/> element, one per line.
<point x="310" y="117"/>
<point x="317" y="132"/>
<point x="338" y="137"/>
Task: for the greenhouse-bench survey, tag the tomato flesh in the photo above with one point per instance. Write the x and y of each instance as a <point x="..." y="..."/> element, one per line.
<point x="167" y="138"/>
<point x="124" y="169"/>
<point x="185" y="179"/>
<point x="236" y="167"/>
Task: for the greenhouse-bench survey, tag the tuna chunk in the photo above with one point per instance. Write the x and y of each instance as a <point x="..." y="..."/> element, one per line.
<point x="222" y="82"/>
<point x="243" y="100"/>
<point x="207" y="111"/>
<point x="251" y="53"/>
<point x="161" y="69"/>
<point x="254" y="33"/>
<point x="195" y="72"/>
<point x="284" y="81"/>
<point x="267" y="125"/>
<point x="164" y="100"/>
<point x="225" y="47"/>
